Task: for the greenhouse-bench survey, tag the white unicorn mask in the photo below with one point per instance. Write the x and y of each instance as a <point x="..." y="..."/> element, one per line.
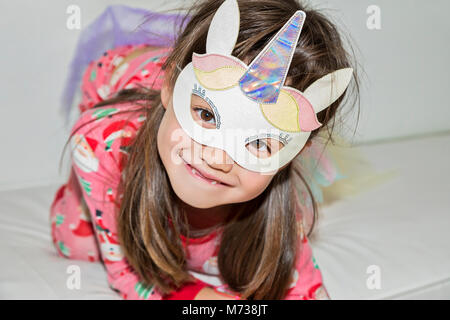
<point x="251" y="102"/>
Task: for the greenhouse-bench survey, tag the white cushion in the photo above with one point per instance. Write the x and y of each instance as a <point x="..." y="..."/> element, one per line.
<point x="31" y="268"/>
<point x="402" y="226"/>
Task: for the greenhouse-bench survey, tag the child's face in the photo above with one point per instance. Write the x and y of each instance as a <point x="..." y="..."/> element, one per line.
<point x="179" y="154"/>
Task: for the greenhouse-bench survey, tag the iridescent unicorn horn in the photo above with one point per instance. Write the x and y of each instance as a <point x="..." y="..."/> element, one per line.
<point x="265" y="77"/>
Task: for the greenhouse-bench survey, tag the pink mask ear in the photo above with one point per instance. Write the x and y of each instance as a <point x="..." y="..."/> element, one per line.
<point x="212" y="61"/>
<point x="307" y="117"/>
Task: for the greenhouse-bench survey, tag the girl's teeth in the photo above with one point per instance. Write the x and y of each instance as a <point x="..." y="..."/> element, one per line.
<point x="196" y="172"/>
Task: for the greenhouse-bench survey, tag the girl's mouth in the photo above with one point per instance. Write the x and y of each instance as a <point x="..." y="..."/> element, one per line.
<point x="192" y="171"/>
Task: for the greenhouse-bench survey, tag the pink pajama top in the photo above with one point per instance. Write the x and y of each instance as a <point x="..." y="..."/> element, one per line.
<point x="99" y="153"/>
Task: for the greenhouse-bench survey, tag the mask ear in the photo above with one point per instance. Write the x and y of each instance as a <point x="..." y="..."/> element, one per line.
<point x="328" y="89"/>
<point x="224" y="29"/>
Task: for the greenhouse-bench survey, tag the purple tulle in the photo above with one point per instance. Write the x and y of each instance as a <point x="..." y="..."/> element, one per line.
<point x="118" y="25"/>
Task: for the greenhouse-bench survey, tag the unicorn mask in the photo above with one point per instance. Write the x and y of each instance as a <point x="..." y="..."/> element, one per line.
<point x="251" y="102"/>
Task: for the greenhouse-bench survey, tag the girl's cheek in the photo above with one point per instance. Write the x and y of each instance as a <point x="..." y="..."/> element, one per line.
<point x="173" y="130"/>
<point x="253" y="183"/>
<point x="171" y="138"/>
<point x="163" y="138"/>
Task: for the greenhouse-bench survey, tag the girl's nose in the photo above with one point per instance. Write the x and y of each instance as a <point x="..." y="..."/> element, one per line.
<point x="217" y="158"/>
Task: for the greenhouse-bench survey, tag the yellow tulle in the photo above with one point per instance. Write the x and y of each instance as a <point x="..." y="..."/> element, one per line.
<point x="359" y="173"/>
<point x="334" y="171"/>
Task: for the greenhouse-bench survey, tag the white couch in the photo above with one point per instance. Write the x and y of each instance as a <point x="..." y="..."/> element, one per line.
<point x="401" y="227"/>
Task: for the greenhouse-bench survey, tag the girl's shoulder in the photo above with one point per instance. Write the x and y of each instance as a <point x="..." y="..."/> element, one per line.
<point x="123" y="67"/>
<point x="101" y="137"/>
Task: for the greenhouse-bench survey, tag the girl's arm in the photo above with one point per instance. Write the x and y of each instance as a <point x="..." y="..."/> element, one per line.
<point x="307" y="282"/>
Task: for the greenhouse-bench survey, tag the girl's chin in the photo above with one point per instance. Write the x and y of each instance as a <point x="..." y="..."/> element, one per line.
<point x="197" y="202"/>
<point x="197" y="197"/>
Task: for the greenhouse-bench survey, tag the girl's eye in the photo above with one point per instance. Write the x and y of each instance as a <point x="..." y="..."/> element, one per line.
<point x="205" y="115"/>
<point x="260" y="148"/>
<point x="202" y="113"/>
<point x="260" y="145"/>
<point x="264" y="148"/>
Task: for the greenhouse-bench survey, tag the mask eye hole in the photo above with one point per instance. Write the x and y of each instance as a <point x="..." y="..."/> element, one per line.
<point x="264" y="147"/>
<point x="202" y="113"/>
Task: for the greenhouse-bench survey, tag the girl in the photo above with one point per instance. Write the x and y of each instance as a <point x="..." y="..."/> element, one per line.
<point x="170" y="211"/>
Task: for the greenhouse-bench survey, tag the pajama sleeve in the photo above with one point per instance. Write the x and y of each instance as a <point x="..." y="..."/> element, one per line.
<point x="307" y="282"/>
<point x="99" y="144"/>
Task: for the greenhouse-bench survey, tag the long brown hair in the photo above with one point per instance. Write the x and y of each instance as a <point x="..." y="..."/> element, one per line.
<point x="259" y="245"/>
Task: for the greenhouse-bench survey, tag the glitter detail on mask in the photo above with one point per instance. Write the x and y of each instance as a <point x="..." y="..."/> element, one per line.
<point x="266" y="75"/>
